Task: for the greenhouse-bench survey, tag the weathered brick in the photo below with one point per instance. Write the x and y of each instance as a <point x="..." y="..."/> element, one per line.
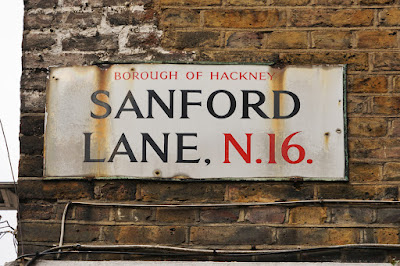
<point x="212" y="215"/>
<point x="247" y="2"/>
<point x="334" y="2"/>
<point x="387" y="61"/>
<point x="32" y="145"/>
<point x="234" y="235"/>
<point x="37" y="210"/>
<point x="286" y="40"/>
<point x="377" y="39"/>
<point x="33" y="101"/>
<point x="40" y="20"/>
<point x="75" y="233"/>
<point x="122" y="2"/>
<point x="390" y="17"/>
<point x="331" y="39"/>
<point x="67" y="190"/>
<point x="317" y="236"/>
<point x="290" y="2"/>
<point x="265" y="192"/>
<point x="143" y="40"/>
<point x="308" y="215"/>
<point x="178" y="216"/>
<point x="128" y="17"/>
<point x="30" y="165"/>
<point x="388" y="216"/>
<point x="376" y="2"/>
<point x="33" y="4"/>
<point x="244" y="18"/>
<point x="34" y="231"/>
<point x="115" y="190"/>
<point x="387" y="235"/>
<point x="172" y="235"/>
<point x="91" y="43"/>
<point x="355" y="61"/>
<point x="92" y="213"/>
<point x="190" y="2"/>
<point x="46" y="59"/>
<point x="351" y="215"/>
<point x="191" y="39"/>
<point x="82" y="19"/>
<point x="346" y="191"/>
<point x="391" y="172"/>
<point x="374" y="148"/>
<point x="38" y="41"/>
<point x="386" y="105"/>
<point x="33" y="79"/>
<point x="270" y="214"/>
<point x="332" y="17"/>
<point x="367" y="84"/>
<point x="365" y="172"/>
<point x="367" y="127"/>
<point x="239" y="56"/>
<point x="197" y="192"/>
<point x="244" y="39"/>
<point x="395" y="128"/>
<point x="129" y="214"/>
<point x="364" y="255"/>
<point x="180" y="18"/>
<point x="358" y="104"/>
<point x="32" y="125"/>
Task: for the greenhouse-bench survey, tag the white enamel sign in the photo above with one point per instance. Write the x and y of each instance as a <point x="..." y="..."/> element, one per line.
<point x="188" y="121"/>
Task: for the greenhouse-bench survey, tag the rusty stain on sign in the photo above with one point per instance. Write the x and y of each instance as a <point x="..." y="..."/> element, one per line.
<point x="196" y="122"/>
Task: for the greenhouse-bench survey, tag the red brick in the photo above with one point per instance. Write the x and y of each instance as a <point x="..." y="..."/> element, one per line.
<point x="368" y="84"/>
<point x="377" y="39"/>
<point x="367" y="127"/>
<point x="244" y="18"/>
<point x="234" y="235"/>
<point x="269" y="214"/>
<point x="332" y="17"/>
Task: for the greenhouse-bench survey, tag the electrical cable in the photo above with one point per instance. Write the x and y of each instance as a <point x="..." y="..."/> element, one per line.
<point x="15" y="186"/>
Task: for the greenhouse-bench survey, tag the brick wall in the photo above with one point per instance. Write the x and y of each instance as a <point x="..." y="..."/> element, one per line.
<point x="361" y="33"/>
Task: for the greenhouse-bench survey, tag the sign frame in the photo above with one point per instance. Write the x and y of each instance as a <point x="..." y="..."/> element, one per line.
<point x="216" y="179"/>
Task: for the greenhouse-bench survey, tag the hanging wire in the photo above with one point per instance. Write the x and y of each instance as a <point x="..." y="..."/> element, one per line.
<point x="15" y="188"/>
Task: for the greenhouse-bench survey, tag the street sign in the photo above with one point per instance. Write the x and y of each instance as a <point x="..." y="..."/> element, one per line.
<point x="196" y="121"/>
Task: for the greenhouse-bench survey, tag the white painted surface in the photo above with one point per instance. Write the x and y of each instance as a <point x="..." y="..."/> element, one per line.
<point x="319" y="122"/>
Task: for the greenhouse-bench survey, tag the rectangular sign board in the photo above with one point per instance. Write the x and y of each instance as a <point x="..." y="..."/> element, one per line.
<point x="196" y="121"/>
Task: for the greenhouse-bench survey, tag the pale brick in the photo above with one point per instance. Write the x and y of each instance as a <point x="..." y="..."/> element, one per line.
<point x="390" y="17"/>
<point x="308" y="215"/>
<point x="367" y="127"/>
<point x="331" y="39"/>
<point x="368" y="84"/>
<point x="377" y="39"/>
<point x="286" y="40"/>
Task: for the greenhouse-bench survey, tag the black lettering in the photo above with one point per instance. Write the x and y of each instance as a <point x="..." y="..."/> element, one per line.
<point x="255" y="106"/>
<point x="162" y="154"/>
<point x="100" y="103"/>
<point x="134" y="108"/>
<point x="128" y="150"/>
<point x="181" y="147"/>
<point x="186" y="103"/>
<point x="232" y="106"/>
<point x="277" y="103"/>
<point x="87" y="150"/>
<point x="168" y="111"/>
